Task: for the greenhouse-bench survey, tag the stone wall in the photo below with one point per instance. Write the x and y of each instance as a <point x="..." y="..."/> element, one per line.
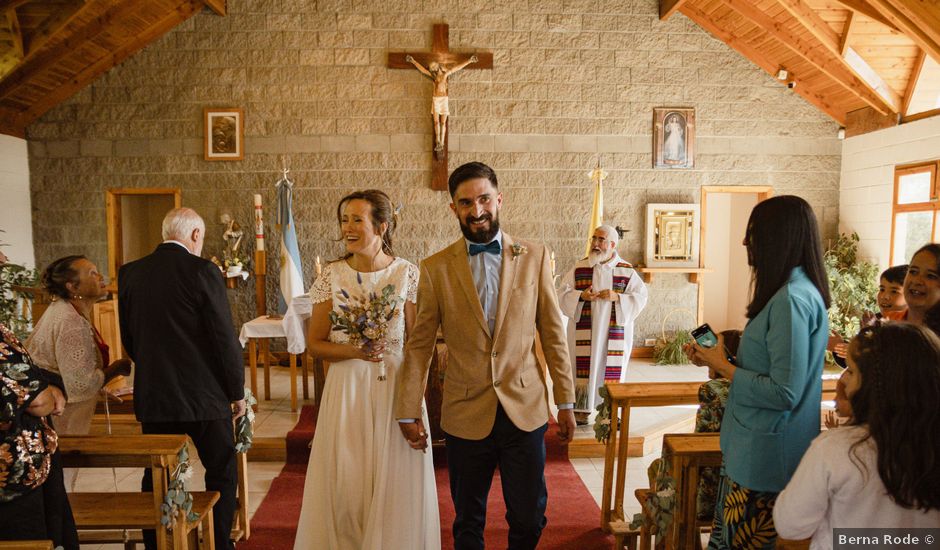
<point x="574" y="83"/>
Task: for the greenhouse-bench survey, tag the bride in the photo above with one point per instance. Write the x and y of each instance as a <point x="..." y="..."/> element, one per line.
<point x="365" y="488"/>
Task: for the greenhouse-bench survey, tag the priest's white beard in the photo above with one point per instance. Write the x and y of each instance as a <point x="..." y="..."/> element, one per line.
<point x="599" y="257"/>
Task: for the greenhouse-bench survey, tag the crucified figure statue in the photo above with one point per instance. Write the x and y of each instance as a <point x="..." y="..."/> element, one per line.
<point x="439" y="110"/>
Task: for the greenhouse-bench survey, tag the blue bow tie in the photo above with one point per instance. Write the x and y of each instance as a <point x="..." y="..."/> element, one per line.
<point x="491" y="247"/>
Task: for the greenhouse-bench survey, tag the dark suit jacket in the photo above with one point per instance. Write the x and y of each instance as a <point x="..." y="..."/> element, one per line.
<point x="177" y="328"/>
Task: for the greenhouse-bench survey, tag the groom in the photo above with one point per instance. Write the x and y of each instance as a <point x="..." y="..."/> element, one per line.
<point x="489" y="295"/>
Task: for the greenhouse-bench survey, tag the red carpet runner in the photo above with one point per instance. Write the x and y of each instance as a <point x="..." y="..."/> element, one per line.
<point x="572" y="513"/>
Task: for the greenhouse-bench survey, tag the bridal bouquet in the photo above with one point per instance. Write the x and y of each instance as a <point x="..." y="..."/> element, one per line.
<point x="365" y="318"/>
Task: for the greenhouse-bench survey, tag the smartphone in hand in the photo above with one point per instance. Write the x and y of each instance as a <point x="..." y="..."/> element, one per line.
<point x="706" y="337"/>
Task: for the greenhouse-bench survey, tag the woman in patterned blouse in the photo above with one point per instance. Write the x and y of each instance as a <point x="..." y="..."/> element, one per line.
<point x="33" y="503"/>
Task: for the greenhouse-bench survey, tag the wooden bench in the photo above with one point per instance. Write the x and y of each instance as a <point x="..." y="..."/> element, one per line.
<point x="126" y="424"/>
<point x="26" y="545"/>
<point x="159" y="453"/>
<point x="688" y="453"/>
<point x="130" y="513"/>
<point x="624" y="397"/>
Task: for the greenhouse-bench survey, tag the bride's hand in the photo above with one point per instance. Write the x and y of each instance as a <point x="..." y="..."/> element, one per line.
<point x="373" y="352"/>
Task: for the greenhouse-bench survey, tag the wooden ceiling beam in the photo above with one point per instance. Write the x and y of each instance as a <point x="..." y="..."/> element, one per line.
<point x="912" y="82"/>
<point x="823" y="59"/>
<point x="744" y="48"/>
<point x="866" y="9"/>
<point x="846" y="34"/>
<point x="12" y="4"/>
<point x="8" y="124"/>
<point x="14" y="56"/>
<point x="185" y="10"/>
<point x="669" y="7"/>
<point x="40" y="61"/>
<point x="218" y="6"/>
<point x="51" y="26"/>
<point x="918" y="19"/>
<point x="811" y="21"/>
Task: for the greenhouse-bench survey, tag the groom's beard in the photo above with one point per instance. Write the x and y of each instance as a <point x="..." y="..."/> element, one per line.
<point x="483" y="235"/>
<point x="598" y="257"/>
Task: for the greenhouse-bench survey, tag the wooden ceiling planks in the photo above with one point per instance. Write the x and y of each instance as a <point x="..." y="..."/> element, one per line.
<point x="811" y="40"/>
<point x="68" y="43"/>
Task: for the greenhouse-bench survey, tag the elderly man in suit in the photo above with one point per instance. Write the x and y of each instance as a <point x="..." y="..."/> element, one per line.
<point x="189" y="376"/>
<point x="489" y="294"/>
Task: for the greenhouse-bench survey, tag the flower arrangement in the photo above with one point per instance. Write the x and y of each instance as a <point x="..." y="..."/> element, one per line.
<point x="365" y="318"/>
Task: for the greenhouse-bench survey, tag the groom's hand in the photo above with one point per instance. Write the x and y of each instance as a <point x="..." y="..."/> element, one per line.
<point x="415" y="434"/>
<point x="566" y="425"/>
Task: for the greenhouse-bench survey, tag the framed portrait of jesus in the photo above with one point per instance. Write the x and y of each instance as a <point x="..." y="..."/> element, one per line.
<point x="673" y="137"/>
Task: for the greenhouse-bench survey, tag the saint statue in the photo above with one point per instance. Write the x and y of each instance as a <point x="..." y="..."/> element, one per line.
<point x="232" y="236"/>
<point x="439" y="109"/>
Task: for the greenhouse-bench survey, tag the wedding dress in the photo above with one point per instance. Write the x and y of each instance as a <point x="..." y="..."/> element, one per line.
<point x="365" y="487"/>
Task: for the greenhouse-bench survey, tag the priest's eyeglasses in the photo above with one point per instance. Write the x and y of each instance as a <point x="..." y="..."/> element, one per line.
<point x="596" y="239"/>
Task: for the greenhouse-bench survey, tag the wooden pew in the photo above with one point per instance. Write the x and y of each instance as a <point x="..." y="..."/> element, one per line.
<point x="124" y="424"/>
<point x="688" y="453"/>
<point x="624" y="397"/>
<point x="133" y="512"/>
<point x="26" y="545"/>
<point x="157" y="452"/>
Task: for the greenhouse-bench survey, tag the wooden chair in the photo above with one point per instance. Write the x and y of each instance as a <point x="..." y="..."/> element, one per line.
<point x="624" y="536"/>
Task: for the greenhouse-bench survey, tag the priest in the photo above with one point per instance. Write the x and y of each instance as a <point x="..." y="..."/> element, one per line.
<point x="601" y="296"/>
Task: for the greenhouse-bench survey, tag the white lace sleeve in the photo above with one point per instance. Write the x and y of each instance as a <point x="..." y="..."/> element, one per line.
<point x="411" y="293"/>
<point x="77" y="358"/>
<point x="322" y="289"/>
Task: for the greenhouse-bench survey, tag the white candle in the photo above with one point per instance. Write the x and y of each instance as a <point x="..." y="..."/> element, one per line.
<point x="259" y="224"/>
<point x="552" y="257"/>
<point x="319" y="267"/>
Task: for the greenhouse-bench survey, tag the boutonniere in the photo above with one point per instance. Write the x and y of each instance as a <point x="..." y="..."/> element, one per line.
<point x="518" y="250"/>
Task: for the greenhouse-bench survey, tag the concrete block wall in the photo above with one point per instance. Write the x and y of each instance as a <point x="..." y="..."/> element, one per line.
<point x="866" y="193"/>
<point x="573" y="84"/>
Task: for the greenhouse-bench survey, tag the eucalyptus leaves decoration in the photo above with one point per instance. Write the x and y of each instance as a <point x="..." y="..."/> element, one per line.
<point x="244" y="426"/>
<point x="602" y="420"/>
<point x="177" y="499"/>
<point x="10" y="299"/>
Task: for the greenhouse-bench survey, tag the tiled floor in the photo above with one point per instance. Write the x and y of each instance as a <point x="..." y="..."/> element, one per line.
<point x="274" y="419"/>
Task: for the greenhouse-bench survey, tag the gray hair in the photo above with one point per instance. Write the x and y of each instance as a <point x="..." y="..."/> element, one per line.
<point x="612" y="234"/>
<point x="179" y="223"/>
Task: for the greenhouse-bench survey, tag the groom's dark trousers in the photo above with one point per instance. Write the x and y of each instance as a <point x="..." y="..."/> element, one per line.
<point x="520" y="456"/>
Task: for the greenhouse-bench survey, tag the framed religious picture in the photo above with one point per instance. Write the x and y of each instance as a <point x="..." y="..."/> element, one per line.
<point x="225" y="134"/>
<point x="673" y="137"/>
<point x="672" y="235"/>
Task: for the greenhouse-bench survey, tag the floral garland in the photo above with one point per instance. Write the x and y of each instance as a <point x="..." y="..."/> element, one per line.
<point x="244" y="426"/>
<point x="602" y="421"/>
<point x="177" y="498"/>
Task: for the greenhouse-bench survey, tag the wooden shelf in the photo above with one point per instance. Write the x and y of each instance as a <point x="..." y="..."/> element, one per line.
<point x="694" y="273"/>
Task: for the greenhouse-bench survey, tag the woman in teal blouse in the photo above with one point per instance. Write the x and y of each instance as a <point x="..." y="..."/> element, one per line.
<point x="772" y="413"/>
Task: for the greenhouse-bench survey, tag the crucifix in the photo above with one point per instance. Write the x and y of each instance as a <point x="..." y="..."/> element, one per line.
<point x="437" y="66"/>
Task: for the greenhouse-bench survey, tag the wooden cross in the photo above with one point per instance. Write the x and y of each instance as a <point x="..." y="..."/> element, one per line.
<point x="440" y="54"/>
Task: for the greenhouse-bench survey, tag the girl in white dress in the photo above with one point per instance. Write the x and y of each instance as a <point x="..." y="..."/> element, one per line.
<point x="365" y="487"/>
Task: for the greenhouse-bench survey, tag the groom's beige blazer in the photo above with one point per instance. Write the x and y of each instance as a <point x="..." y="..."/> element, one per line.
<point x="484" y="369"/>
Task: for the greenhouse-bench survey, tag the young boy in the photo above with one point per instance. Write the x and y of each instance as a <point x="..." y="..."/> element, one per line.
<point x="891" y="306"/>
<point x="891" y="293"/>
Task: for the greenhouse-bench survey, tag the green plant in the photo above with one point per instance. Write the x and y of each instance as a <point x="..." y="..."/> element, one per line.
<point x="853" y="286"/>
<point x="11" y="299"/>
<point x="669" y="351"/>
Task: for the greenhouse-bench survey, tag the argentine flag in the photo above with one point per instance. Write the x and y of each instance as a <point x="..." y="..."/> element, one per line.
<point x="292" y="277"/>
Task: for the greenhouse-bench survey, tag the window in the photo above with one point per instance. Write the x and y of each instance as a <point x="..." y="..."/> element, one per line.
<point x="916" y="207"/>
